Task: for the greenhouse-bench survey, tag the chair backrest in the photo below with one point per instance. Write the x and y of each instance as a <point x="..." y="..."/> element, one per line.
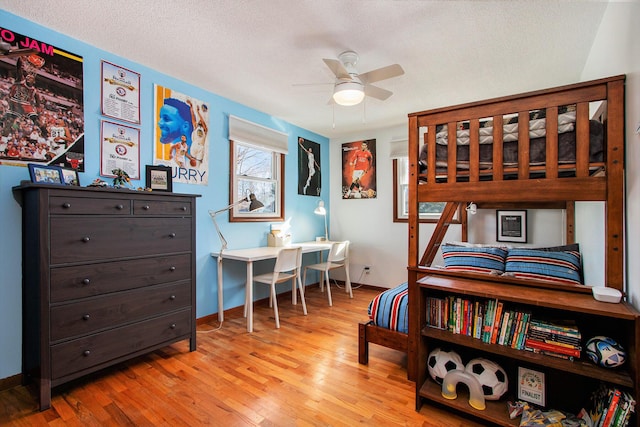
<point x="339" y="251"/>
<point x="288" y="259"/>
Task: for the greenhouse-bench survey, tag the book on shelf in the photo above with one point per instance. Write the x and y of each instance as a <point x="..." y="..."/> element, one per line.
<point x="549" y="353"/>
<point x="488" y="321"/>
<point x="545" y="336"/>
<point x="517" y="326"/>
<point x="503" y="326"/>
<point x="541" y="345"/>
<point x="608" y="413"/>
<point x="495" y="326"/>
<point x="554" y="327"/>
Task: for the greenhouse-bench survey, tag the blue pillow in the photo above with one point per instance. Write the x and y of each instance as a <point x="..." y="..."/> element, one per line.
<point x="558" y="267"/>
<point x="474" y="259"/>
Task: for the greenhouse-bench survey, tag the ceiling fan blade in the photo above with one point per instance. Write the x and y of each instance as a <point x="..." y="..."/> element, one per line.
<point x="377" y="92"/>
<point x="337" y="68"/>
<point x="383" y="73"/>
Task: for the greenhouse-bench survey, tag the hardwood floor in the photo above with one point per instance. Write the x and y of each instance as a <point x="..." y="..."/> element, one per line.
<point x="304" y="374"/>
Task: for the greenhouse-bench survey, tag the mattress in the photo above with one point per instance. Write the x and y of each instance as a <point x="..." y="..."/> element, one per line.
<point x="537" y="141"/>
<point x="389" y="309"/>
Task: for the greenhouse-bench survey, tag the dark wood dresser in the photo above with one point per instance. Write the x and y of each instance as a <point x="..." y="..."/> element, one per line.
<point x="107" y="275"/>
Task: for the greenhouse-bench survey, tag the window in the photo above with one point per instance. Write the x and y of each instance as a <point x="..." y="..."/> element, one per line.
<point x="257" y="172"/>
<point x="429" y="211"/>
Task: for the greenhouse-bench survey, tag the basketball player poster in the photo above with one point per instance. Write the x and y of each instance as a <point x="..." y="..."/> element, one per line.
<point x="181" y="136"/>
<point x="359" y="170"/>
<point x="41" y="103"/>
<point x="308" y="167"/>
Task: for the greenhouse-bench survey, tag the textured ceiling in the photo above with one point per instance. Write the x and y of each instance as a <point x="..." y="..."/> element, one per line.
<point x="255" y="52"/>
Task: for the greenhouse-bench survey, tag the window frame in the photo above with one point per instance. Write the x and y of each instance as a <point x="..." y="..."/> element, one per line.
<point x="278" y="163"/>
<point x="397" y="200"/>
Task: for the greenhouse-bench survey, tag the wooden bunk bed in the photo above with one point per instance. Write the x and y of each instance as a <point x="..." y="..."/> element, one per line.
<point x="528" y="168"/>
<point x="573" y="160"/>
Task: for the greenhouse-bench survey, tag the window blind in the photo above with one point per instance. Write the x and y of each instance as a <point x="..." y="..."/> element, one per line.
<point x="244" y="131"/>
<point x="399" y="148"/>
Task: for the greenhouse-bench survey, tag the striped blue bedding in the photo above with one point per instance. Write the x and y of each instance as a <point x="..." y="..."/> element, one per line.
<point x="389" y="309"/>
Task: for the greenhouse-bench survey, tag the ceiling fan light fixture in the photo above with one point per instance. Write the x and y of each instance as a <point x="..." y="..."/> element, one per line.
<point x="348" y="93"/>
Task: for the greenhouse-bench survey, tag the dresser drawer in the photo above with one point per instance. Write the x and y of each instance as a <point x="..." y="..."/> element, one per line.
<point x="81" y="239"/>
<point x="160" y="207"/>
<point x="84" y="353"/>
<point x="90" y="315"/>
<point x="84" y="206"/>
<point x="95" y="279"/>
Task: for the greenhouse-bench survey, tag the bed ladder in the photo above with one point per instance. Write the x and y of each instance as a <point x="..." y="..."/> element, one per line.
<point x="446" y="218"/>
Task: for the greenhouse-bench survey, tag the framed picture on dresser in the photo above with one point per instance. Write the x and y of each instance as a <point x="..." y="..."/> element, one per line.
<point x="70" y="176"/>
<point x="44" y="174"/>
<point x="159" y="178"/>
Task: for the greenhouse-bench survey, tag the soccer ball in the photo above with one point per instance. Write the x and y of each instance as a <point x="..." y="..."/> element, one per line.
<point x="491" y="377"/>
<point x="440" y="362"/>
<point x="606" y="352"/>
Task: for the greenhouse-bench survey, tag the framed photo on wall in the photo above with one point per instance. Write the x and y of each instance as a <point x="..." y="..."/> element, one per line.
<point x="159" y="178"/>
<point x="309" y="180"/>
<point x="511" y="226"/>
<point x="359" y="170"/>
<point x="44" y="174"/>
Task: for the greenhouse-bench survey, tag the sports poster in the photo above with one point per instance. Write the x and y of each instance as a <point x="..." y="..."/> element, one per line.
<point x="41" y="103"/>
<point x="309" y="181"/>
<point x="359" y="170"/>
<point x="181" y="136"/>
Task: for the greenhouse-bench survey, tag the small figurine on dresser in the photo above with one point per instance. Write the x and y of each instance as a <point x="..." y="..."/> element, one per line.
<point x="122" y="179"/>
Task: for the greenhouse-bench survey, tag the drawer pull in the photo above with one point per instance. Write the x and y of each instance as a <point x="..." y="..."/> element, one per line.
<point x="86" y="281"/>
<point x="173" y="326"/>
<point x="172" y="268"/>
<point x="172" y="297"/>
<point x="172" y="235"/>
<point x="85" y="317"/>
<point x="184" y="208"/>
<point x="146" y="207"/>
<point x="86" y="353"/>
<point x="119" y="207"/>
<point x="86" y="239"/>
<point x="66" y="205"/>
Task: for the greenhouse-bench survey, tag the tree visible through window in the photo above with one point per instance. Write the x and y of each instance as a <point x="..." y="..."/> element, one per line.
<point x="256" y="173"/>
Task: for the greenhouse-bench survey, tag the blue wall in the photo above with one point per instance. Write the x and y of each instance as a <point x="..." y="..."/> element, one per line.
<point x="305" y="225"/>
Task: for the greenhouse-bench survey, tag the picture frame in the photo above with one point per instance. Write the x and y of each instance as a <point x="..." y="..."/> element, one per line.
<point x="511" y="226"/>
<point x="70" y="176"/>
<point x="159" y="178"/>
<point x="45" y="174"/>
<point x="531" y="386"/>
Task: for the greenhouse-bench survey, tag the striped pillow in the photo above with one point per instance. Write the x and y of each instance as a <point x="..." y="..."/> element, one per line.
<point x="389" y="309"/>
<point x="558" y="267"/>
<point x="474" y="259"/>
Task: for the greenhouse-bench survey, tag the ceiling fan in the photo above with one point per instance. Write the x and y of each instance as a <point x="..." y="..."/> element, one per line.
<point x="351" y="87"/>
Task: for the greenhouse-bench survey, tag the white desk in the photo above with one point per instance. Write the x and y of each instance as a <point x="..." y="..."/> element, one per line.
<point x="248" y="256"/>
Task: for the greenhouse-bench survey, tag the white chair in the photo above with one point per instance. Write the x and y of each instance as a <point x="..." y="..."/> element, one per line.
<point x="338" y="258"/>
<point x="287" y="267"/>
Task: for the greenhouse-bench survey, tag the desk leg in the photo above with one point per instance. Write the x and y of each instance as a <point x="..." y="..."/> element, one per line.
<point x="220" y="292"/>
<point x="249" y="296"/>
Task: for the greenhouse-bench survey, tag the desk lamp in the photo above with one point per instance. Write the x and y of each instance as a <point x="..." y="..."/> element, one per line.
<point x="320" y="210"/>
<point x="254" y="204"/>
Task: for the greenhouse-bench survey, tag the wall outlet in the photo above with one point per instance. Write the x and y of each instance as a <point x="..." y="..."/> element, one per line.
<point x="367" y="269"/>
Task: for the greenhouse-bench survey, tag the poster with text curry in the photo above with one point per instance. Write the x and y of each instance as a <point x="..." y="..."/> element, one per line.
<point x="181" y="136"/>
<point x="359" y="170"/>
